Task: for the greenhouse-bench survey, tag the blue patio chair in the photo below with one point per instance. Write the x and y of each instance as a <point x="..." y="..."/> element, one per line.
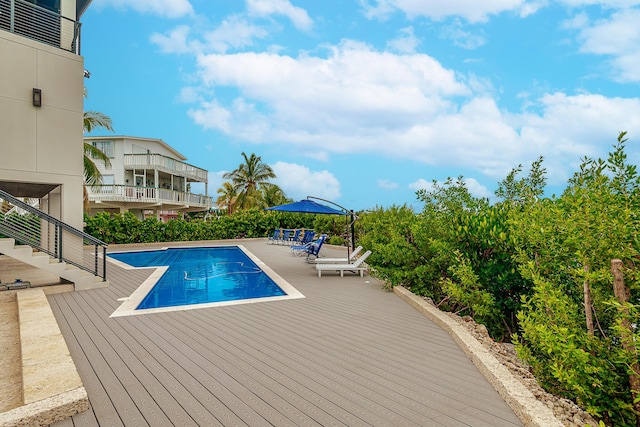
<point x="307" y="237"/>
<point x="307" y="240"/>
<point x="311" y="249"/>
<point x="295" y="238"/>
<point x="284" y="237"/>
<point x="274" y="239"/>
<point x="314" y="248"/>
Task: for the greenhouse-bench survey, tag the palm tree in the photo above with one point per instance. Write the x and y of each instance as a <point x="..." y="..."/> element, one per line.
<point x="227" y="197"/>
<point x="95" y="119"/>
<point x="92" y="175"/>
<point x="249" y="179"/>
<point x="272" y="195"/>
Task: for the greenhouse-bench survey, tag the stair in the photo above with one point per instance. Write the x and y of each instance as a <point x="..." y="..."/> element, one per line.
<point x="39" y="382"/>
<point x="11" y="372"/>
<point x="82" y="279"/>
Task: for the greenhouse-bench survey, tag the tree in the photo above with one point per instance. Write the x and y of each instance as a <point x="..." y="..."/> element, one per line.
<point x="272" y="195"/>
<point x="574" y="334"/>
<point x="92" y="175"/>
<point x="249" y="180"/>
<point x="227" y="197"/>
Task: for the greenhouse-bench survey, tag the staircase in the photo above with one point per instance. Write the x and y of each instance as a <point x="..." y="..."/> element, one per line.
<point x="33" y="237"/>
<point x="82" y="279"/>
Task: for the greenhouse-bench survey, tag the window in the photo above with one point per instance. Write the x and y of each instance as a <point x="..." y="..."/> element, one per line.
<point x="108" y="179"/>
<point x="105" y="146"/>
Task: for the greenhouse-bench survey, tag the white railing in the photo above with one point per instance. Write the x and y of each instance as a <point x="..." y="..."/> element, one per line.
<point x="165" y="163"/>
<point x="29" y="20"/>
<point x="132" y="194"/>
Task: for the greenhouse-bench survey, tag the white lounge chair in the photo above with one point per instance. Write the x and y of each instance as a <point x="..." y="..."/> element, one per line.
<point x="344" y="260"/>
<point x="357" y="266"/>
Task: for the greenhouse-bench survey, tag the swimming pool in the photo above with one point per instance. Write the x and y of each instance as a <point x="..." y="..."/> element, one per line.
<point x="196" y="277"/>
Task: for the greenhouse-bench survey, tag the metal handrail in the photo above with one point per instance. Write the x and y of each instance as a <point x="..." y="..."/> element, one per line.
<point x="27" y="19"/>
<point x="30" y="226"/>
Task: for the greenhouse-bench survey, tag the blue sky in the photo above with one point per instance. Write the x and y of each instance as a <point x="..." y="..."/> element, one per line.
<point x="363" y="102"/>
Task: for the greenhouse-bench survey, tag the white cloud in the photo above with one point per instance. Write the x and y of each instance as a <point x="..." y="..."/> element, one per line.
<point x="532" y="6"/>
<point x="619" y="38"/>
<point x="576" y="22"/>
<point x="174" y="42"/>
<point x="299" y="181"/>
<point x="460" y="37"/>
<point x="406" y="42"/>
<point x="353" y="91"/>
<point x="234" y="32"/>
<point x="608" y="4"/>
<point x="470" y="10"/>
<point x="421" y="184"/>
<point x="377" y="9"/>
<point x="189" y="94"/>
<point x="163" y="8"/>
<point x="475" y="188"/>
<point x="266" y="8"/>
<point x="402" y="106"/>
<point x="387" y="185"/>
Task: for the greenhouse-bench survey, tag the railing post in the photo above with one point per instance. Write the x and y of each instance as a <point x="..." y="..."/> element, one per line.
<point x="59" y="227"/>
<point x="104" y="263"/>
<point x="55" y="242"/>
<point x="95" y="259"/>
<point x="12" y="15"/>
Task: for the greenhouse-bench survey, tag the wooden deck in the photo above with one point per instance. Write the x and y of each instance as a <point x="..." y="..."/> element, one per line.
<point x="349" y="354"/>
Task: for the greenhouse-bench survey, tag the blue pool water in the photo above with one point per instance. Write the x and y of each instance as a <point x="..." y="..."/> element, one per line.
<point x="201" y="275"/>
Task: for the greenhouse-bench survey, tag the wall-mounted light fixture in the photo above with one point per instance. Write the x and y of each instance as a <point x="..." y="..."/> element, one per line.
<point x="37" y="97"/>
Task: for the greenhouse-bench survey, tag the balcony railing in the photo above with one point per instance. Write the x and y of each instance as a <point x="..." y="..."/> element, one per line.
<point x="131" y="194"/>
<point x="28" y="20"/>
<point x="165" y="163"/>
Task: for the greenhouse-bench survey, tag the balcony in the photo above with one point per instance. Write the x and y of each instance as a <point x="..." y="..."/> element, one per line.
<point x="165" y="164"/>
<point x="132" y="197"/>
<point x="26" y="19"/>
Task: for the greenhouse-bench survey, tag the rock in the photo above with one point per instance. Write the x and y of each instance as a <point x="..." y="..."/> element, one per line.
<point x="567" y="411"/>
<point x="482" y="329"/>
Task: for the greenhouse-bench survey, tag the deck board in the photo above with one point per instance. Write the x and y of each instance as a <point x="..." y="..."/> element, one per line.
<point x="348" y="354"/>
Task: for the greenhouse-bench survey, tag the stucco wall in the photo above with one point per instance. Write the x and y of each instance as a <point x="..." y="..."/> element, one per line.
<point x="42" y="144"/>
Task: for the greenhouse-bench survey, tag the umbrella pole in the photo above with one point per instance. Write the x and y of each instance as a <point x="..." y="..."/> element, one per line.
<point x="353" y="231"/>
<point x="348" y="245"/>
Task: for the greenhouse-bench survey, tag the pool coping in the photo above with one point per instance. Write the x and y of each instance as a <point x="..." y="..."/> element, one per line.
<point x="129" y="303"/>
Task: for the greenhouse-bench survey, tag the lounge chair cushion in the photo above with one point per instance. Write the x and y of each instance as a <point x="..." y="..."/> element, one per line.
<point x="357" y="266"/>
<point x="352" y="258"/>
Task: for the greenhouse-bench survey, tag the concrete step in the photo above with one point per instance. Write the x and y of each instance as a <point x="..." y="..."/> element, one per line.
<point x="41" y="384"/>
<point x="82" y="279"/>
<point x="11" y="372"/>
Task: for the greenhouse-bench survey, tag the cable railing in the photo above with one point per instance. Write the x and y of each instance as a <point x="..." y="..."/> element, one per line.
<point x="26" y="19"/>
<point x="32" y="227"/>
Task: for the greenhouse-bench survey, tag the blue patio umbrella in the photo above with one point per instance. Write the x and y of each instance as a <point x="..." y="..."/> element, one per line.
<point x="310" y="206"/>
<point x="307" y="206"/>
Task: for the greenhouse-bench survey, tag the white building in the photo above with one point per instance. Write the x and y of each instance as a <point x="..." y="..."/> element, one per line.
<point x="146" y="176"/>
<point x="41" y="104"/>
<point x="41" y="145"/>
